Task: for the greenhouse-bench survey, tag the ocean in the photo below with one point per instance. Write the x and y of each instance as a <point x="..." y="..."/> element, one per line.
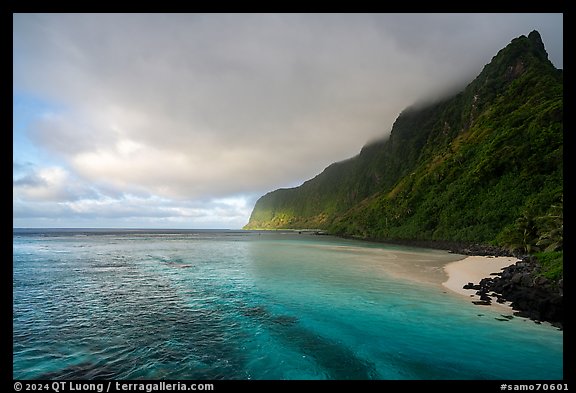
<point x="188" y="304"/>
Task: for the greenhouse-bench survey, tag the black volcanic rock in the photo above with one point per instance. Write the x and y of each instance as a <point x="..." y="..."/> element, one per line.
<point x="532" y="295"/>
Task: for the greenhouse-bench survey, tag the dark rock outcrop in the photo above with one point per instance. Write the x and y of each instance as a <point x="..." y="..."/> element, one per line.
<point x="532" y="295"/>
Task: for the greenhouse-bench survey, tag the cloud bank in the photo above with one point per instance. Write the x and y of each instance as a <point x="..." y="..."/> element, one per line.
<point x="185" y="119"/>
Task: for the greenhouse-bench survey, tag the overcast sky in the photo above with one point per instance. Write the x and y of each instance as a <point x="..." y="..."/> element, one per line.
<point x="184" y="120"/>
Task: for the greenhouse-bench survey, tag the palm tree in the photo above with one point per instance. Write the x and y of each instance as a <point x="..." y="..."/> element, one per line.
<point x="524" y="236"/>
<point x="552" y="235"/>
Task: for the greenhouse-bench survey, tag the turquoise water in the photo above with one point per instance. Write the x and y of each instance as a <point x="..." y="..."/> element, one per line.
<point x="249" y="305"/>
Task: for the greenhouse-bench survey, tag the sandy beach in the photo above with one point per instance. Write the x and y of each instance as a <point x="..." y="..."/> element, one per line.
<point x="473" y="269"/>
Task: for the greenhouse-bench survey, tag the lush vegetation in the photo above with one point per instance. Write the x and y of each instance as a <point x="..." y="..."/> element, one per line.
<point x="484" y="166"/>
<point x="552" y="264"/>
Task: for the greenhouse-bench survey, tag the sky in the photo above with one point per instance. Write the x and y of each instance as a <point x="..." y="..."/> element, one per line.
<point x="185" y="120"/>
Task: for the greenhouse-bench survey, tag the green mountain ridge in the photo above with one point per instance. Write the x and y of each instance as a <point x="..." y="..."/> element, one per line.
<point x="466" y="168"/>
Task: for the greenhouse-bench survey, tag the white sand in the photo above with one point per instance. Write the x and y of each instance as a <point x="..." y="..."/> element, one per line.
<point x="473" y="269"/>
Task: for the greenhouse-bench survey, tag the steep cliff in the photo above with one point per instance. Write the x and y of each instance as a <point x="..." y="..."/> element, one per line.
<point x="466" y="168"/>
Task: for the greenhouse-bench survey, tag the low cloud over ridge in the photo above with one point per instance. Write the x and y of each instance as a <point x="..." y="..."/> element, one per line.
<point x="182" y="110"/>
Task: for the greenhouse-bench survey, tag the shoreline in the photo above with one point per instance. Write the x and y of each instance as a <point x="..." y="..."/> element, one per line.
<point x="493" y="276"/>
<point x="453" y="247"/>
<point x="473" y="269"/>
